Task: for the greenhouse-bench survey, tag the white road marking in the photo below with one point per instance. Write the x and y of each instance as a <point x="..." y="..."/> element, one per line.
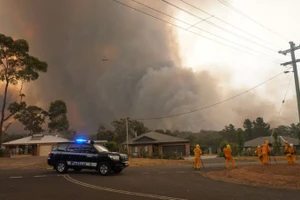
<point x="39" y="176"/>
<point x="67" y="177"/>
<point x="16" y="177"/>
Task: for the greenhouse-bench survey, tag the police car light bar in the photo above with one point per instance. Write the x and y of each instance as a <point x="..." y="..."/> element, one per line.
<point x="80" y="140"/>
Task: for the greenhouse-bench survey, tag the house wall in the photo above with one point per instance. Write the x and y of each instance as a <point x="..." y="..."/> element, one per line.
<point x="160" y="148"/>
<point x="35" y="147"/>
<point x="40" y="145"/>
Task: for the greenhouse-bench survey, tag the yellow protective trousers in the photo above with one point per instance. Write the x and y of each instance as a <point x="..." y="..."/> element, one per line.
<point x="197" y="164"/>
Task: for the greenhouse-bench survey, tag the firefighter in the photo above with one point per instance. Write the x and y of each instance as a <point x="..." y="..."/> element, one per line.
<point x="197" y="153"/>
<point x="259" y="154"/>
<point x="227" y="153"/>
<point x="291" y="153"/>
<point x="266" y="149"/>
<point x="286" y="152"/>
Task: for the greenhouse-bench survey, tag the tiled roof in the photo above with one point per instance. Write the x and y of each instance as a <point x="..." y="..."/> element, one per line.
<point x="37" y="139"/>
<point x="154" y="137"/>
<point x="261" y="140"/>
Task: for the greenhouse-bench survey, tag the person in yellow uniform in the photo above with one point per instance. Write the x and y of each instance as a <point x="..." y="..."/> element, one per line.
<point x="286" y="152"/>
<point x="227" y="153"/>
<point x="291" y="152"/>
<point x="197" y="153"/>
<point x="266" y="149"/>
<point x="259" y="154"/>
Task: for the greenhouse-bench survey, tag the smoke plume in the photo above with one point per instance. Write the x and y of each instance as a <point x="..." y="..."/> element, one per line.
<point x="107" y="61"/>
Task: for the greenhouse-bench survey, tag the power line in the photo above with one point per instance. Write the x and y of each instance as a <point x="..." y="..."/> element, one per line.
<point x="190" y="26"/>
<point x="212" y="105"/>
<point x="241" y="50"/>
<point x="283" y="101"/>
<point x="229" y="24"/>
<point x="217" y="26"/>
<point x="251" y="19"/>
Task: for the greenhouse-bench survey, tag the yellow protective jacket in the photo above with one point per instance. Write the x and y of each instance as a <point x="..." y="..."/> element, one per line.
<point x="266" y="148"/>
<point x="258" y="151"/>
<point x="197" y="152"/>
<point x="227" y="152"/>
<point x="291" y="150"/>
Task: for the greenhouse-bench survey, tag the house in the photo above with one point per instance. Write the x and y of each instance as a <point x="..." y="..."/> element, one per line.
<point x="260" y="140"/>
<point x="153" y="143"/>
<point x="36" y="145"/>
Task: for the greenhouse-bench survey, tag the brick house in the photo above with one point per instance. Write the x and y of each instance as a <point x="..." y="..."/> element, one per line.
<point x="157" y="144"/>
<point x="36" y="145"/>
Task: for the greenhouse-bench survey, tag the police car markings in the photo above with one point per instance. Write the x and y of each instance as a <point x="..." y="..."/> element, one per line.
<point x="76" y="163"/>
<point x="67" y="177"/>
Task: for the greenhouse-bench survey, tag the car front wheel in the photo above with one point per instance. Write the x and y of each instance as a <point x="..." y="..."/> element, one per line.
<point x="61" y="167"/>
<point x="104" y="168"/>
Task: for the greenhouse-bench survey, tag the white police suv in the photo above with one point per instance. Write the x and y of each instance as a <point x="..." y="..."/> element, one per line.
<point x="83" y="154"/>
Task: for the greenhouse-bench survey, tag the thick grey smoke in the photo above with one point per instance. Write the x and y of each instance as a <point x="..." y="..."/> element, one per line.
<point x="141" y="75"/>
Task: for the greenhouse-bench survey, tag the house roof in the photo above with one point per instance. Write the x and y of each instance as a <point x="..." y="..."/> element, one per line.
<point x="154" y="138"/>
<point x="37" y="139"/>
<point x="261" y="140"/>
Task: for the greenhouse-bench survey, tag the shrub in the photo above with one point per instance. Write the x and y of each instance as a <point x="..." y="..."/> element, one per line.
<point x="4" y="153"/>
<point x="111" y="146"/>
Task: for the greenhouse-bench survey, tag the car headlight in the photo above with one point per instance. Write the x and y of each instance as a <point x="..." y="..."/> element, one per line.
<point x="114" y="157"/>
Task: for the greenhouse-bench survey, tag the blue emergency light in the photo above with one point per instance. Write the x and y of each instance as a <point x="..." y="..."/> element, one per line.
<point x="79" y="140"/>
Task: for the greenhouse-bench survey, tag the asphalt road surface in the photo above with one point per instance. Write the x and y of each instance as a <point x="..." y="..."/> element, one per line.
<point x="135" y="183"/>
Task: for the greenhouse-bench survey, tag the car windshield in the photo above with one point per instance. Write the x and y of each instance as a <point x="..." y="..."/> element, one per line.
<point x="100" y="148"/>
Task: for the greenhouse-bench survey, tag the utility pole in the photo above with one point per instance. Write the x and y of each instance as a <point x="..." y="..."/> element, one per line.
<point x="127" y="135"/>
<point x="294" y="63"/>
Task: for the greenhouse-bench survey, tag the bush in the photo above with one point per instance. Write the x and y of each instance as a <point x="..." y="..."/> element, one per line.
<point x="111" y="146"/>
<point x="173" y="156"/>
<point x="3" y="153"/>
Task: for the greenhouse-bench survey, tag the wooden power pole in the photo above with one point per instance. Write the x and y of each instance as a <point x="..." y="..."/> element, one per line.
<point x="295" y="70"/>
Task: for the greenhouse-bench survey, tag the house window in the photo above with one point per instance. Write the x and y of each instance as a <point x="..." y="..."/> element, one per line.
<point x="135" y="149"/>
<point x="146" y="148"/>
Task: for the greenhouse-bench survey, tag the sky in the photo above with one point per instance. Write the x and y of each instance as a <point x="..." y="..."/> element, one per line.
<point x="153" y="69"/>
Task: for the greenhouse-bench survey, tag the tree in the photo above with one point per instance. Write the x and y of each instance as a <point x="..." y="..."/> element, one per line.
<point x="16" y="65"/>
<point x="135" y="128"/>
<point x="248" y="126"/>
<point x="105" y="134"/>
<point x="229" y="133"/>
<point x="32" y="117"/>
<point x="260" y="128"/>
<point x="295" y="130"/>
<point x="58" y="117"/>
<point x="284" y="131"/>
<point x="240" y="140"/>
<point x="277" y="143"/>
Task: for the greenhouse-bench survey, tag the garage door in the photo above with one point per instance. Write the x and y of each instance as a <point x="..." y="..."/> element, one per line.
<point x="45" y="150"/>
<point x="169" y="150"/>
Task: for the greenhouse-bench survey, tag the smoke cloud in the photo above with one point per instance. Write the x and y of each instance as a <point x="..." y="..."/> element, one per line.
<point x="107" y="61"/>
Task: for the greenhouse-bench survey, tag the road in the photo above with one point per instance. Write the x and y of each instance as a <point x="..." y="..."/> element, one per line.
<point x="135" y="183"/>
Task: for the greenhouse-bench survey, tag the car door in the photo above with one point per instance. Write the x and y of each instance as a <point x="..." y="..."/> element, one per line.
<point x="74" y="156"/>
<point x="90" y="155"/>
